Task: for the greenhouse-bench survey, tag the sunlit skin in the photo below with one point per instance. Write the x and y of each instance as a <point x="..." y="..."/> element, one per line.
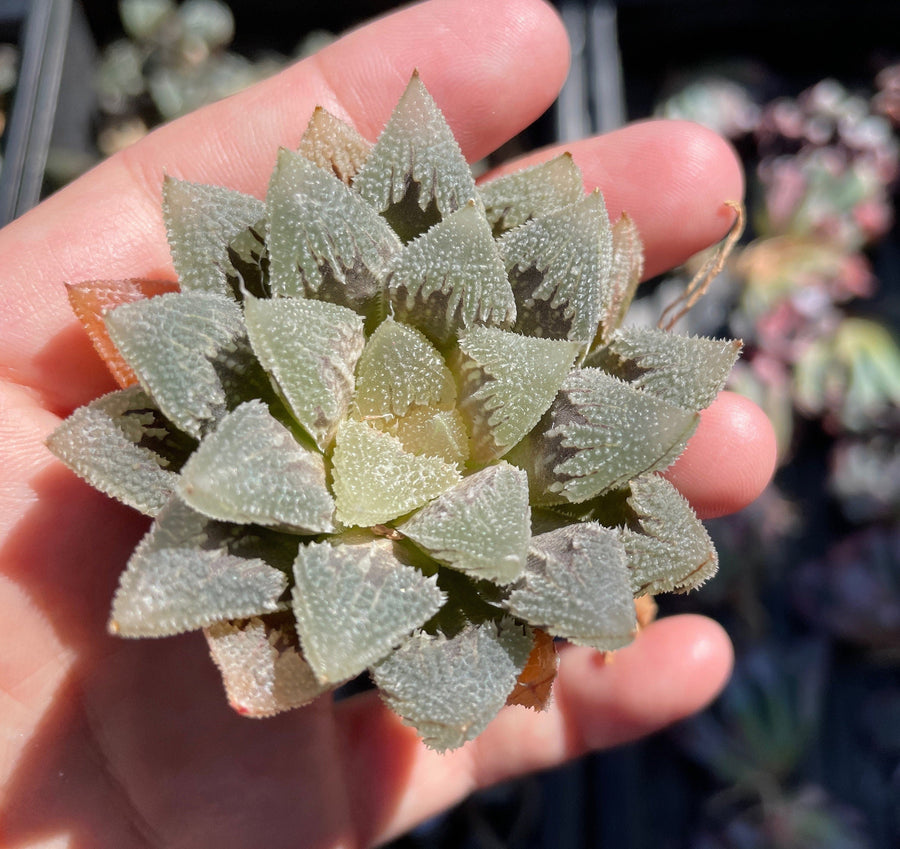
<point x="120" y="744"/>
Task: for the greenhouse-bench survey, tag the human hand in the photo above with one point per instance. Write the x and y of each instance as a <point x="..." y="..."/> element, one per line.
<point x="111" y="743"/>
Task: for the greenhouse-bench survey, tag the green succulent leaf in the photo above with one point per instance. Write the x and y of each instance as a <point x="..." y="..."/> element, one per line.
<point x="533" y="192"/>
<point x="200" y="222"/>
<point x="324" y="241"/>
<point x="434" y="432"/>
<point x="190" y="353"/>
<point x="416" y="173"/>
<point x="558" y="266"/>
<point x="577" y="586"/>
<point x="112" y="443"/>
<point x="376" y="480"/>
<point x="449" y="689"/>
<point x="251" y="470"/>
<point x="685" y="370"/>
<point x="354" y="603"/>
<point x="262" y="668"/>
<point x="668" y="547"/>
<point x="480" y="526"/>
<point x="399" y="369"/>
<point x="451" y="278"/>
<point x="183" y="576"/>
<point x="334" y="145"/>
<point x="625" y="273"/>
<point x="507" y="382"/>
<point x="311" y="349"/>
<point x="602" y="432"/>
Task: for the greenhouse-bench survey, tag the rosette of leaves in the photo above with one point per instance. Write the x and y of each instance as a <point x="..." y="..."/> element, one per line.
<point x="387" y="421"/>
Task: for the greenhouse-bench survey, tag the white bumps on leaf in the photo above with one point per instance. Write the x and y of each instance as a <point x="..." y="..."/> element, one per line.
<point x="311" y="349"/>
<point x="200" y="222"/>
<point x="262" y="667"/>
<point x="354" y="603"/>
<point x="668" y="547"/>
<point x="334" y="145"/>
<point x="100" y="442"/>
<point x="376" y="480"/>
<point x="186" y="349"/>
<point x="507" y="383"/>
<point x="577" y="586"/>
<point x="481" y="526"/>
<point x="449" y="689"/>
<point x="251" y="470"/>
<point x="182" y="577"/>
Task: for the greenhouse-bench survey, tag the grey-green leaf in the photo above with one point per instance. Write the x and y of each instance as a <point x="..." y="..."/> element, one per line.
<point x="558" y="266"/>
<point x="481" y="526"/>
<point x="507" y="382"/>
<point x="324" y="241"/>
<point x="251" y="470"/>
<point x="101" y="443"/>
<point x="334" y="145"/>
<point x="577" y="586"/>
<point x="416" y="173"/>
<point x="450" y="689"/>
<point x="515" y="198"/>
<point x="200" y="222"/>
<point x="183" y="577"/>
<point x="668" y="547"/>
<point x="685" y="370"/>
<point x="189" y="351"/>
<point x="601" y="433"/>
<point x="451" y="278"/>
<point x="262" y="668"/>
<point x="311" y="349"/>
<point x="354" y="603"/>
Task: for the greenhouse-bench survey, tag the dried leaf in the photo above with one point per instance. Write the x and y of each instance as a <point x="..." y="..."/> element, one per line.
<point x="534" y="687"/>
<point x="354" y="603"/>
<point x="334" y="145"/>
<point x="625" y="273"/>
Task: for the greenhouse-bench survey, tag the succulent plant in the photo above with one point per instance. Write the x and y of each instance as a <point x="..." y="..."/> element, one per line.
<point x="389" y="422"/>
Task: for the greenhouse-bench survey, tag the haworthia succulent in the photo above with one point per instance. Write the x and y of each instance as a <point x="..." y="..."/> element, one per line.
<point x="577" y="586"/>
<point x="355" y="603"/>
<point x="334" y="145"/>
<point x="449" y="689"/>
<point x="200" y="222"/>
<point x="251" y="470"/>
<point x="262" y="667"/>
<point x="481" y="526"/>
<point x="183" y="577"/>
<point x="311" y="349"/>
<point x="625" y="272"/>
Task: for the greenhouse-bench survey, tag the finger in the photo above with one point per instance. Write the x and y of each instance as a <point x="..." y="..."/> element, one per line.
<point x="674" y="668"/>
<point x="492" y="67"/>
<point x="729" y="459"/>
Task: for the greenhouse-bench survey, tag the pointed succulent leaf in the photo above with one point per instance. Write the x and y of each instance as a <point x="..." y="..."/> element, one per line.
<point x="376" y="480"/>
<point x="251" y="470"/>
<point x="416" y="173"/>
<point x="399" y="368"/>
<point x="433" y="432"/>
<point x="481" y="526"/>
<point x="262" y="668"/>
<point x="311" y="349"/>
<point x="625" y="273"/>
<point x="534" y="686"/>
<point x="334" y="145"/>
<point x="451" y="277"/>
<point x="558" y="267"/>
<point x="507" y="382"/>
<point x="515" y="198"/>
<point x="91" y="301"/>
<point x="189" y="351"/>
<point x="324" y="241"/>
<point x="602" y="432"/>
<point x="668" y="547"/>
<point x="354" y="603"/>
<point x="449" y="689"/>
<point x="200" y="222"/>
<point x="183" y="577"/>
<point x="102" y="443"/>
<point x="577" y="586"/>
<point x="685" y="370"/>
